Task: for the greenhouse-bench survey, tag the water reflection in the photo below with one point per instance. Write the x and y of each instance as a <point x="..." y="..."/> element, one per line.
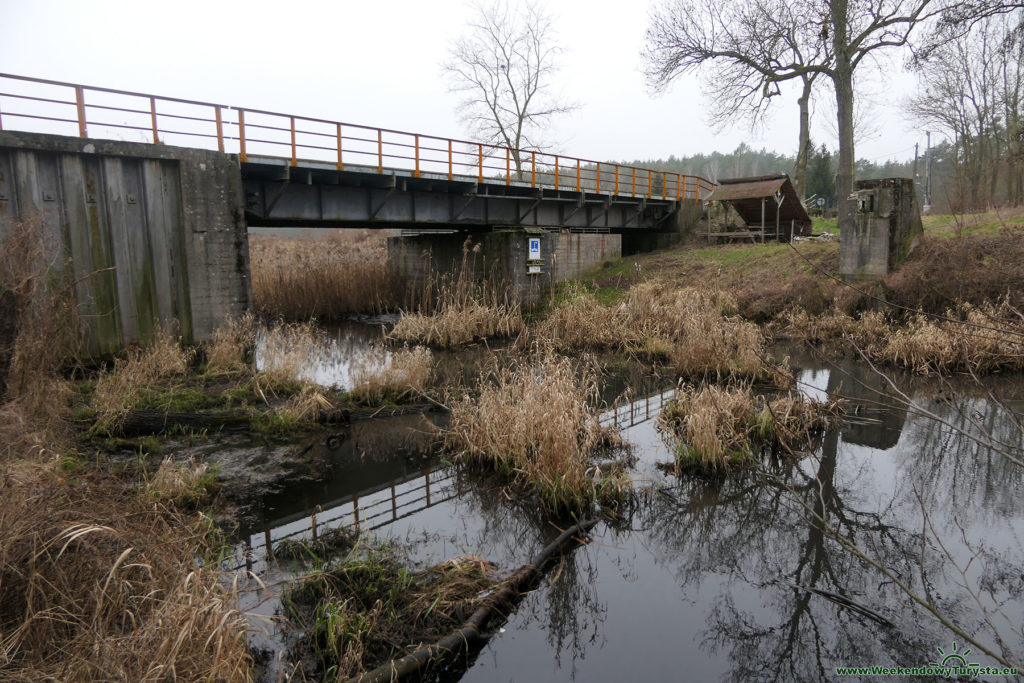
<point x="710" y="579"/>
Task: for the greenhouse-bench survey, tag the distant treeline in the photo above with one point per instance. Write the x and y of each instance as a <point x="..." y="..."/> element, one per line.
<point x="745" y="161"/>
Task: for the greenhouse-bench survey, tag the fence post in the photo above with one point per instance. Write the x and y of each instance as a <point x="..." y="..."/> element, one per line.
<point x="80" y="105"/>
<point x="295" y="160"/>
<point x="416" y="170"/>
<point x="341" y="165"/>
<point x="152" y="119"/>
<point x="241" y="135"/>
<point x="220" y="128"/>
<point x="380" y="151"/>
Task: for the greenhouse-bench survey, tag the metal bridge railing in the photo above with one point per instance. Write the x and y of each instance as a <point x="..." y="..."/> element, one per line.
<point x="46" y="106"/>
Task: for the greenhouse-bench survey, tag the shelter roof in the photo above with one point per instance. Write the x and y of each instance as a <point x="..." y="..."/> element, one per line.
<point x="747" y="194"/>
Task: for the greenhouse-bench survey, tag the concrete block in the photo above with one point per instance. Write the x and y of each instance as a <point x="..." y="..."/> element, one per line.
<point x="887" y="228"/>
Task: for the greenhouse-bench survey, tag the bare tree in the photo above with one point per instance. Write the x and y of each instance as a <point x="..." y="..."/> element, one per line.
<point x="973" y="91"/>
<point x="745" y="50"/>
<point x="503" y="66"/>
<point x="853" y="30"/>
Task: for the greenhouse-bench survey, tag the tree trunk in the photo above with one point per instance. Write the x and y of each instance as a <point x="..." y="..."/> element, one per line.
<point x="804" y="149"/>
<point x="842" y="75"/>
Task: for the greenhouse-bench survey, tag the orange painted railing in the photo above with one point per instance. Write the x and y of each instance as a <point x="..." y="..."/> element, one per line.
<point x="38" y="105"/>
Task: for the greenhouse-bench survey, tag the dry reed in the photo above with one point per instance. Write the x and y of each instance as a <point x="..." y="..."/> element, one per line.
<point x="534" y="421"/>
<point x="184" y="483"/>
<point x="694" y="328"/>
<point x="984" y="339"/>
<point x="722" y="427"/>
<point x="134" y="379"/>
<point x="287" y="349"/>
<point x="38" y="333"/>
<point x="230" y="345"/>
<point x="397" y="374"/>
<point x="463" y="308"/>
<point x="98" y="584"/>
<point x="324" y="278"/>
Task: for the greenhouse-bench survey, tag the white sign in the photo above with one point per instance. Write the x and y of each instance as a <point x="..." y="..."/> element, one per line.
<point x="534" y="249"/>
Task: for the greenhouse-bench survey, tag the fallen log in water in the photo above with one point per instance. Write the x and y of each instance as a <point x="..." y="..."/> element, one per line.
<point x="142" y="422"/>
<point x="497" y="604"/>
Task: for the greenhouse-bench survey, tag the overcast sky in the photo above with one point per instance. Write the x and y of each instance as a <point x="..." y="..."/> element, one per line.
<point x="378" y="63"/>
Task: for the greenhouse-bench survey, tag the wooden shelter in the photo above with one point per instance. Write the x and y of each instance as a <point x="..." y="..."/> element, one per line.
<point x="767" y="204"/>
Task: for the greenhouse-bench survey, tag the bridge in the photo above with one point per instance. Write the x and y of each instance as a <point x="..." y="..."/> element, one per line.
<point x="301" y="171"/>
<point x="134" y="181"/>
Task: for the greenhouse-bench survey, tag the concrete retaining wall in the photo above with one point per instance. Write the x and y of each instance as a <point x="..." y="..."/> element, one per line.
<point x="156" y="234"/>
<point x="504" y="255"/>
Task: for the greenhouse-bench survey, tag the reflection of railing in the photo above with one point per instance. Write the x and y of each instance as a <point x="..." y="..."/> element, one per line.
<point x="405" y="497"/>
<point x="636" y="412"/>
<point x="53" y="106"/>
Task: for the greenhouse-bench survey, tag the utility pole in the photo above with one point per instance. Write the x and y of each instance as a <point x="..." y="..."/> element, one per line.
<point x="914" y="176"/>
<point x="928" y="172"/>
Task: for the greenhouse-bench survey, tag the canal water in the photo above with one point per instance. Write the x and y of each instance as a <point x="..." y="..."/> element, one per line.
<point x="698" y="578"/>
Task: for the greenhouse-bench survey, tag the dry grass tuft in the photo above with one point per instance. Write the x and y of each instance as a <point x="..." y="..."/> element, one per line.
<point x="38" y="333"/>
<point x="287" y="350"/>
<point x="184" y="483"/>
<point x="989" y="338"/>
<point x="134" y="378"/>
<point x="306" y="405"/>
<point x="227" y="351"/>
<point x="534" y="421"/>
<point x="694" y="328"/>
<point x="580" y="321"/>
<point x="464" y="310"/>
<point x="101" y="585"/>
<point x="867" y="330"/>
<point x="722" y="427"/>
<point x="399" y="374"/>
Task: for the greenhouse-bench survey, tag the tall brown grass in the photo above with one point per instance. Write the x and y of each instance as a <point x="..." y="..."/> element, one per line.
<point x="534" y="421"/>
<point x="299" y="278"/>
<point x="463" y="308"/>
<point x="967" y="338"/>
<point x="135" y="379"/>
<point x="396" y="375"/>
<point x="99" y="584"/>
<point x="38" y="332"/>
<point x="719" y="427"/>
<point x="695" y="329"/>
<point x="229" y="347"/>
<point x="979" y="339"/>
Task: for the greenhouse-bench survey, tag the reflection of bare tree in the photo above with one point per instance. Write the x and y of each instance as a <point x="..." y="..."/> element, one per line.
<point x="753" y="534"/>
<point x="975" y="481"/>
